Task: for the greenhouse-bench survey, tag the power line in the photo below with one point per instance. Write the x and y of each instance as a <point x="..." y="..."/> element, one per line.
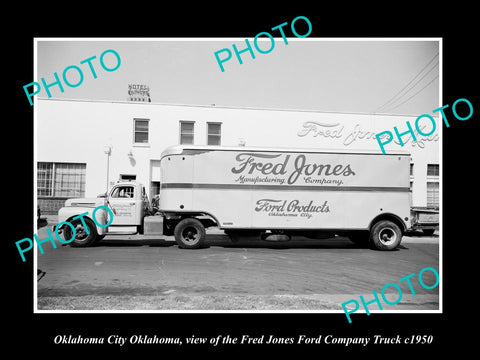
<point x="428" y="72"/>
<point x="393" y="98"/>
<point x="436" y="77"/>
<point x="417" y="75"/>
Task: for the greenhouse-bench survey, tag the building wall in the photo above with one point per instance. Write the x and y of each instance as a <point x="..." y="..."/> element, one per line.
<point x="79" y="131"/>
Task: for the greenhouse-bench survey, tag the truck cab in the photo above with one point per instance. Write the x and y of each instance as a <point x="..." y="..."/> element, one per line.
<point x="128" y="202"/>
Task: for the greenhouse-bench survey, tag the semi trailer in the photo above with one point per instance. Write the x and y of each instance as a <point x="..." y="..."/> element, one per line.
<point x="272" y="193"/>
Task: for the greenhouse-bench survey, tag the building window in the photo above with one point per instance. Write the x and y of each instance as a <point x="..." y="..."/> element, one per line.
<point x="61" y="179"/>
<point x="186" y="132"/>
<point x="432" y="194"/>
<point x="44" y="179"/>
<point x="433" y="170"/>
<point x="124" y="177"/>
<point x="214" y="132"/>
<point x="433" y="188"/>
<point x="140" y="131"/>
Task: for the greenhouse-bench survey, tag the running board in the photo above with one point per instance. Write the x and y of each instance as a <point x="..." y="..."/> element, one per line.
<point x="122" y="230"/>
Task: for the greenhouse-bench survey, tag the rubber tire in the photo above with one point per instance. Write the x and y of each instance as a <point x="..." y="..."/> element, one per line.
<point x="84" y="241"/>
<point x="378" y="229"/>
<point x="196" y="226"/>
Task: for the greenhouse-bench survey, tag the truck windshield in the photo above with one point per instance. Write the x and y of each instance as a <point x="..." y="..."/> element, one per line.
<point x="122" y="192"/>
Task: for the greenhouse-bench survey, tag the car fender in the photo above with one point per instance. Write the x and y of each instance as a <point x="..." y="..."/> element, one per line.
<point x="67" y="213"/>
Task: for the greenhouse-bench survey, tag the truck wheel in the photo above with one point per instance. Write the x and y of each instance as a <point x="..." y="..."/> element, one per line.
<point x="189" y="234"/>
<point x="385" y="235"/>
<point x="82" y="239"/>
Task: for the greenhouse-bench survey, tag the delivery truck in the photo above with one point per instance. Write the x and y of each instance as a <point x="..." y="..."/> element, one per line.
<point x="271" y="193"/>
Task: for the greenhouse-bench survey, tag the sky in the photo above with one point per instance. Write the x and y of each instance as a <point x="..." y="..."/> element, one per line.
<point x="332" y="75"/>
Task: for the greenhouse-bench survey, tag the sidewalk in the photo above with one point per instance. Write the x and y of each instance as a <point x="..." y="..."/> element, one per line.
<point x="51" y="219"/>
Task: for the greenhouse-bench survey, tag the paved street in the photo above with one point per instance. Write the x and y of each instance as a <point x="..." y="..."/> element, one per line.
<point x="326" y="271"/>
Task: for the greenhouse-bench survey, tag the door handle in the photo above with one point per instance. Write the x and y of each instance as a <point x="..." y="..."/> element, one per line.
<point x="132" y="203"/>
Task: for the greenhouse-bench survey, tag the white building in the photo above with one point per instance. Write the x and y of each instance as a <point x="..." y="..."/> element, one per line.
<point x="83" y="147"/>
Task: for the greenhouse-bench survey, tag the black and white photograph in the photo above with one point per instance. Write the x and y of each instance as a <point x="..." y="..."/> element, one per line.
<point x="285" y="186"/>
<point x="263" y="192"/>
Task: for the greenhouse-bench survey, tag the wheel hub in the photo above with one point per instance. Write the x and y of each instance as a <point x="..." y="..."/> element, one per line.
<point x="190" y="234"/>
<point x="387" y="235"/>
<point x="80" y="232"/>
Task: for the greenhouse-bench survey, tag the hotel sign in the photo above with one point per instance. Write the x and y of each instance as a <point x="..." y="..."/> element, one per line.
<point x="138" y="92"/>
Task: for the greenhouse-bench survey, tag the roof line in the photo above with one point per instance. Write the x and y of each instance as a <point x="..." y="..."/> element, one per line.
<point x="180" y="149"/>
<point x="212" y="106"/>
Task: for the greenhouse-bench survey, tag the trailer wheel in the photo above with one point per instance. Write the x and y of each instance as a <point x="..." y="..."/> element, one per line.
<point x="385" y="235"/>
<point x="189" y="234"/>
<point x="82" y="239"/>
